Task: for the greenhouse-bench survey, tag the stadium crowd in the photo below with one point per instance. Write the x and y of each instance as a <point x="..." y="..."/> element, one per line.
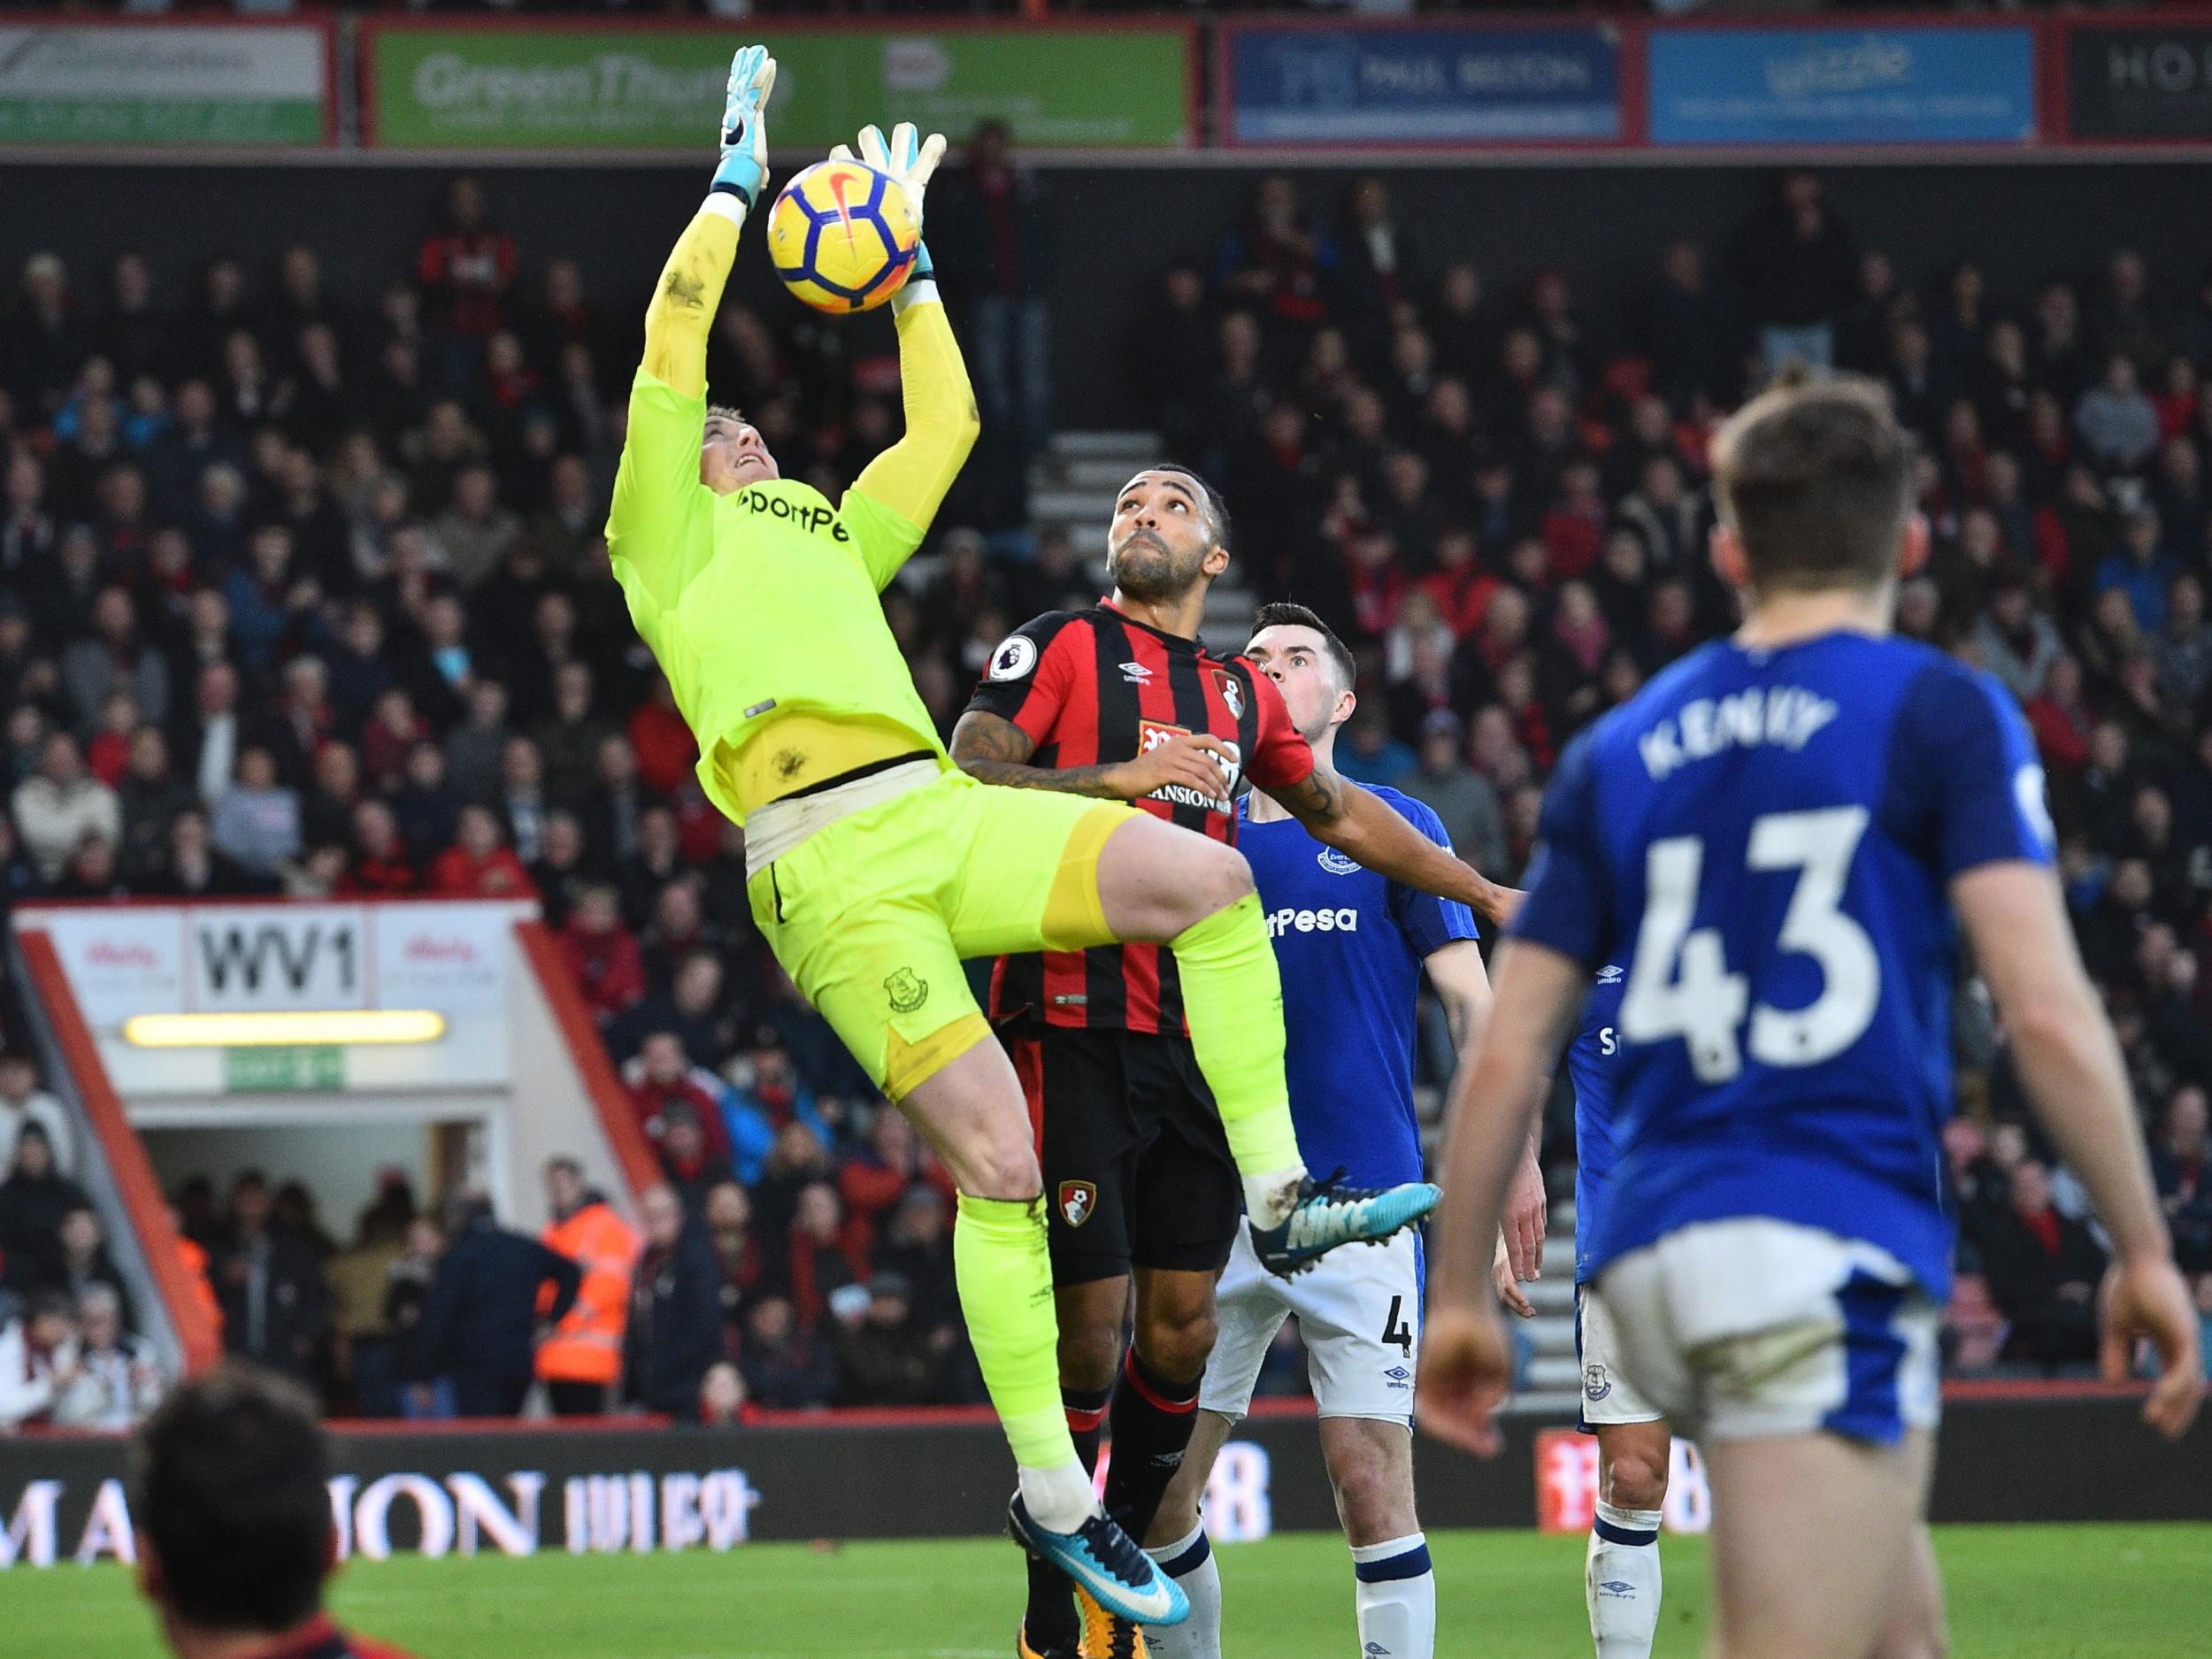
<point x="306" y="595"/>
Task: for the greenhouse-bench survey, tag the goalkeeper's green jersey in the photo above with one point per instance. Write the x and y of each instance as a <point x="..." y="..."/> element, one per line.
<point x="760" y="605"/>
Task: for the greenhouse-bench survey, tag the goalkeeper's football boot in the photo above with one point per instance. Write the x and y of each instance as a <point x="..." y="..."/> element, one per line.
<point x="1329" y="1213"/>
<point x="1106" y="1637"/>
<point x="1102" y="1560"/>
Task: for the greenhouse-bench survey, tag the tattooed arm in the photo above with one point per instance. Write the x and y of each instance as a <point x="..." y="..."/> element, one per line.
<point x="996" y="751"/>
<point x="1366" y="829"/>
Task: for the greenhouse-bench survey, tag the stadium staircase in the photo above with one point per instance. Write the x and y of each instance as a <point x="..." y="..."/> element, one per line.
<point x="1551" y="1377"/>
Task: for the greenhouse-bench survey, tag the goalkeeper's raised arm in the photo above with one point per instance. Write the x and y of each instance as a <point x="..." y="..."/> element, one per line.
<point x="677" y="454"/>
<point x="911" y="477"/>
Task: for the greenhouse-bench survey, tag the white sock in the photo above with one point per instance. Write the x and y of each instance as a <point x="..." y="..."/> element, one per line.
<point x="1621" y="1582"/>
<point x="1190" y="1562"/>
<point x="1269" y="1199"/>
<point x="1058" y="1499"/>
<point x="1396" y="1598"/>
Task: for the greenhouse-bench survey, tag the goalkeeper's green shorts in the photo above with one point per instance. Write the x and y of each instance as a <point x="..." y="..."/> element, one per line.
<point x="871" y="915"/>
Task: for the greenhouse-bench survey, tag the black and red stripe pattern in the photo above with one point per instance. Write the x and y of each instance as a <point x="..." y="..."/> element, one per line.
<point x="1093" y="688"/>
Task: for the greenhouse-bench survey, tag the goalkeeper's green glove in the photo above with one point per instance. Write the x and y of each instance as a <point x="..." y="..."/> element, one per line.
<point x="911" y="159"/>
<point x="744" y="168"/>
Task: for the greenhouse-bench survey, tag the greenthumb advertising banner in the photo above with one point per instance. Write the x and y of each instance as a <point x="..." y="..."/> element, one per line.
<point x="163" y="83"/>
<point x="554" y="88"/>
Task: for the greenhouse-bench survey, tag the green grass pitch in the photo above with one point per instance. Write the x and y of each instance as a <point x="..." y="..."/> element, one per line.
<point x="2109" y="1592"/>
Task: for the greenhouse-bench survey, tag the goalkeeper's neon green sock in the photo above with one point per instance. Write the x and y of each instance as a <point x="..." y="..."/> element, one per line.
<point x="1233" y="996"/>
<point x="1001" y="1265"/>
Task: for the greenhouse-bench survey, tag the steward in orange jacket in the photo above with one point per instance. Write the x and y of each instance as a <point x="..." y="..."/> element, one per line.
<point x="581" y="1361"/>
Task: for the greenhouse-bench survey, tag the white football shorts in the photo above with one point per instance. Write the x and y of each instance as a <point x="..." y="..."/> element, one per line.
<point x="1359" y="1314"/>
<point x="1607" y="1396"/>
<point x="1754" y="1328"/>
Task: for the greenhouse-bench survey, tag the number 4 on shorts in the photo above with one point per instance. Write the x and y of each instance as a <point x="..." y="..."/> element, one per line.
<point x="1396" y="1330"/>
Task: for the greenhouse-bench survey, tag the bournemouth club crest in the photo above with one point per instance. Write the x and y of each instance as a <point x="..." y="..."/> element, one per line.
<point x="1231" y="691"/>
<point x="1078" y="1200"/>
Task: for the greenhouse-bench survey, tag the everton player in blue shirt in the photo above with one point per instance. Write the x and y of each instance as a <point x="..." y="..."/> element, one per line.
<point x="1352" y="945"/>
<point x="1774" y="837"/>
<point x="1621" y="1573"/>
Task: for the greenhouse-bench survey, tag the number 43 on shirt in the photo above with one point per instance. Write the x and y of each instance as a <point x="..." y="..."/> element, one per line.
<point x="1679" y="984"/>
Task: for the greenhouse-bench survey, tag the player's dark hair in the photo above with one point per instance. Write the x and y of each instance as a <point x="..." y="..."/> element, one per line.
<point x="1216" y="508"/>
<point x="1283" y="614"/>
<point x="232" y="1474"/>
<point x="1816" y="478"/>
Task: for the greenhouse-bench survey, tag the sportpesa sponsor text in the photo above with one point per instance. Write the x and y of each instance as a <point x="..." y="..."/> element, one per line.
<point x="1290" y="921"/>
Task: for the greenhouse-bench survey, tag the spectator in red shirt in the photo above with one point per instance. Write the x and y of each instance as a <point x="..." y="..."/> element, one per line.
<point x="390" y="734"/>
<point x="1276" y="260"/>
<point x="2177" y="399"/>
<point x="728" y="1215"/>
<point x="232" y="1523"/>
<point x="2061" y="719"/>
<point x="480" y="864"/>
<point x="466" y="265"/>
<point x="662" y="742"/>
<point x="2043" y="1268"/>
<point x="829" y="1250"/>
<point x="873" y="1178"/>
<point x="692" y="1169"/>
<point x="664" y="1081"/>
<point x="380" y="864"/>
<point x="1576" y="523"/>
<point x="107" y="755"/>
<point x="1458" y="584"/>
<point x="601" y="954"/>
<point x="1579" y="627"/>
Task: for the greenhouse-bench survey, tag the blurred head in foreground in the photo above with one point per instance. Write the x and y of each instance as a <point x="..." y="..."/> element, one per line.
<point x="232" y="1512"/>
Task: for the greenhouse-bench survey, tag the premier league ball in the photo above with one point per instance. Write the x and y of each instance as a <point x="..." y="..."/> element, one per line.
<point x="842" y="236"/>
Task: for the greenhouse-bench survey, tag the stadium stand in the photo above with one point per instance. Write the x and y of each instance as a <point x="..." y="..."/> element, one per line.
<point x="302" y="594"/>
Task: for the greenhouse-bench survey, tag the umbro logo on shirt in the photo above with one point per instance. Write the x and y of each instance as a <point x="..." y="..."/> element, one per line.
<point x="1610" y="974"/>
<point x="1136" y="673"/>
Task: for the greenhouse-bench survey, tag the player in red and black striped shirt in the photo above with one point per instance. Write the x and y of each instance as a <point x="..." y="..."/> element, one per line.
<point x="1122" y="702"/>
<point x="1099" y="690"/>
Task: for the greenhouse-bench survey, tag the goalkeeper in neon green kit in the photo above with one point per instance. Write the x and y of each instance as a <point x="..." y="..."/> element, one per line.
<point x="874" y="865"/>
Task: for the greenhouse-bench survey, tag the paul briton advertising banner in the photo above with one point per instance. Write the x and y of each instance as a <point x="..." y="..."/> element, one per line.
<point x="1444" y="85"/>
<point x="1894" y="84"/>
<point x="554" y="86"/>
<point x="161" y="83"/>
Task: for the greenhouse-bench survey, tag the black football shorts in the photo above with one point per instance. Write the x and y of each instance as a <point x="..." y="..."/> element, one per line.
<point x="1137" y="1167"/>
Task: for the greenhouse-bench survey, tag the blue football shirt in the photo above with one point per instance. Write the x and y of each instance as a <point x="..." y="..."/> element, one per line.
<point x="1765" y="839"/>
<point x="1593" y="1066"/>
<point x="1350" y="944"/>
